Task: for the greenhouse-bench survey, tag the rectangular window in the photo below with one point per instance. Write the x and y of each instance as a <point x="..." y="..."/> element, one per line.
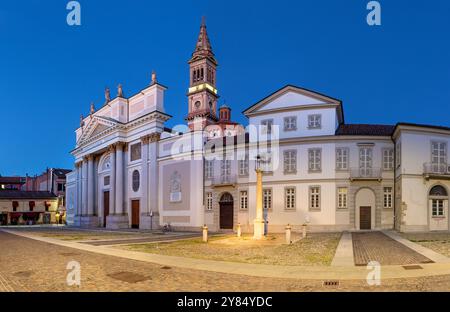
<point x="439" y="156"/>
<point x="387" y="201"/>
<point x="315" y="159"/>
<point x="437" y="207"/>
<point x="289" y="198"/>
<point x="209" y="169"/>
<point x="106" y="181"/>
<point x="365" y="161"/>
<point x="314" y="121"/>
<point x="267" y="126"/>
<point x="135" y="152"/>
<point x="243" y="166"/>
<point x="209" y="201"/>
<point x="342" y="158"/>
<point x="31" y="204"/>
<point x="290" y="161"/>
<point x="314" y="198"/>
<point x="61" y="187"/>
<point x="342" y="198"/>
<point x="290" y="123"/>
<point x="244" y="200"/>
<point x="267" y="199"/>
<point x="266" y="162"/>
<point x="388" y="159"/>
<point x="225" y="168"/>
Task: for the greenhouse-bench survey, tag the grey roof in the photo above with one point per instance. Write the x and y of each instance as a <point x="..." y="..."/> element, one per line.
<point x="13" y="194"/>
<point x="364" y="129"/>
<point x="61" y="173"/>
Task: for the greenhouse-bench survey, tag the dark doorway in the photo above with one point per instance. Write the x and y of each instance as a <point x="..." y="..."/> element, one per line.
<point x="365" y="218"/>
<point x="3" y="219"/>
<point x="135" y="214"/>
<point x="105" y="206"/>
<point x="226" y="211"/>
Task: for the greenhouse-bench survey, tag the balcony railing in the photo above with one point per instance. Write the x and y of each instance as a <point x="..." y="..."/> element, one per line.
<point x="438" y="170"/>
<point x="224" y="180"/>
<point x="365" y="174"/>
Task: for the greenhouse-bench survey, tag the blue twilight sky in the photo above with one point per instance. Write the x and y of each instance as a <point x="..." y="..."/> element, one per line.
<point x="50" y="72"/>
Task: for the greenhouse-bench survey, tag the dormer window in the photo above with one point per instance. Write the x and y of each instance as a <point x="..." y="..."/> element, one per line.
<point x="315" y="121"/>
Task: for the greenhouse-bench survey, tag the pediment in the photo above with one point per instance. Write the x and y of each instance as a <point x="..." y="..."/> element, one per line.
<point x="95" y="127"/>
<point x="290" y="97"/>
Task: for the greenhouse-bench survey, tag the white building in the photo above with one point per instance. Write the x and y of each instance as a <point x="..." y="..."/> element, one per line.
<point x="132" y="171"/>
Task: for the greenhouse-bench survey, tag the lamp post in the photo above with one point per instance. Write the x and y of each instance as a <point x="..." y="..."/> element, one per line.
<point x="258" y="228"/>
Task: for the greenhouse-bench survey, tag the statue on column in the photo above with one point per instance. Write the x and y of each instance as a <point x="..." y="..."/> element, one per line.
<point x="153" y="77"/>
<point x="81" y="121"/>
<point x="119" y="90"/>
<point x="92" y="111"/>
<point x="107" y="95"/>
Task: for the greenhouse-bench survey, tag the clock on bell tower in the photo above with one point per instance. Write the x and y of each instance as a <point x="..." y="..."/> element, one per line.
<point x="202" y="93"/>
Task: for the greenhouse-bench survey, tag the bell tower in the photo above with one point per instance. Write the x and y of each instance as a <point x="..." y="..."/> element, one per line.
<point x="202" y="93"/>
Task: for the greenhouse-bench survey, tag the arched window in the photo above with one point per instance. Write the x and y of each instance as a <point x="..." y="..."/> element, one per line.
<point x="226" y="198"/>
<point x="438" y="190"/>
<point x="136" y="180"/>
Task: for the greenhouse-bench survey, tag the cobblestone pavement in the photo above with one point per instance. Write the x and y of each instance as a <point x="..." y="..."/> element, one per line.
<point x="375" y="246"/>
<point x="30" y="265"/>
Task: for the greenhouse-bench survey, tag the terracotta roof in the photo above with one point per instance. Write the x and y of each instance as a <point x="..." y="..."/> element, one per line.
<point x="363" y="129"/>
<point x="12" y="180"/>
<point x="12" y="194"/>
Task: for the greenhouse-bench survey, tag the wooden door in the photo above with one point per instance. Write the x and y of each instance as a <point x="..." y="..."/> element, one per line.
<point x="226" y="215"/>
<point x="105" y="206"/>
<point x="365" y="218"/>
<point x="135" y="214"/>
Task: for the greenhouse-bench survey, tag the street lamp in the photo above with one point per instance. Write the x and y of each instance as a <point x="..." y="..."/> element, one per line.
<point x="258" y="228"/>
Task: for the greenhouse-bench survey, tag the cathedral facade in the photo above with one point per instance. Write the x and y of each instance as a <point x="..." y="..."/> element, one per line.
<point x="133" y="171"/>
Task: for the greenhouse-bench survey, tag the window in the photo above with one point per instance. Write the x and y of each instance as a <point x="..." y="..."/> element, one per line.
<point x="209" y="169"/>
<point x="388" y="159"/>
<point x="209" y="201"/>
<point x="61" y="187"/>
<point x="31" y="204"/>
<point x="342" y="198"/>
<point x="243" y="166"/>
<point x="15" y="204"/>
<point x="314" y="121"/>
<point x="290" y="161"/>
<point x="106" y="181"/>
<point x="314" y="198"/>
<point x="365" y="161"/>
<point x="136" y="180"/>
<point x="289" y="198"/>
<point x="342" y="158"/>
<point x="315" y="159"/>
<point x="387" y="201"/>
<point x="244" y="200"/>
<point x="135" y="152"/>
<point x="439" y="156"/>
<point x="226" y="168"/>
<point x="290" y="123"/>
<point x="437" y="207"/>
<point x="266" y="126"/>
<point x="267" y="199"/>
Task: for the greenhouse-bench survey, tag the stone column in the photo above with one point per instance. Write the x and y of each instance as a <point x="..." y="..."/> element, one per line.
<point x="144" y="179"/>
<point x="119" y="179"/>
<point x="112" y="180"/>
<point x="79" y="197"/>
<point x="84" y="187"/>
<point x="91" y="186"/>
<point x="258" y="231"/>
<point x="153" y="184"/>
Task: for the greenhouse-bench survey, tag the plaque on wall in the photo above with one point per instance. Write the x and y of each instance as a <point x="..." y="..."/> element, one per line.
<point x="175" y="197"/>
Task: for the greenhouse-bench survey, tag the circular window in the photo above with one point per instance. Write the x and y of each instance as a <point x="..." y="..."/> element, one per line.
<point x="197" y="104"/>
<point x="136" y="180"/>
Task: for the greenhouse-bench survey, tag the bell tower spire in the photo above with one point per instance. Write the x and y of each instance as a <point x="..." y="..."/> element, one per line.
<point x="202" y="93"/>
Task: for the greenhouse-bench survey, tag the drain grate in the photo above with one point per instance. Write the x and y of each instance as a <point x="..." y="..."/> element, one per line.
<point x="69" y="254"/>
<point x="412" y="267"/>
<point x="165" y="268"/>
<point x="23" y="274"/>
<point x="330" y="283"/>
<point x="129" y="277"/>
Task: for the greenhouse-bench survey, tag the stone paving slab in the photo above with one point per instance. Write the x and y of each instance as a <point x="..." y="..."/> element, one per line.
<point x="153" y="239"/>
<point x="344" y="252"/>
<point x="376" y="246"/>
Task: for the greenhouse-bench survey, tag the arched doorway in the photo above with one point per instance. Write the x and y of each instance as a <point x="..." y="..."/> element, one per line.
<point x="438" y="208"/>
<point x="226" y="211"/>
<point x="365" y="204"/>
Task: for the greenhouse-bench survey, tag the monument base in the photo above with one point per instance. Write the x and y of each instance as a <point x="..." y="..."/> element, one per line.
<point x="258" y="229"/>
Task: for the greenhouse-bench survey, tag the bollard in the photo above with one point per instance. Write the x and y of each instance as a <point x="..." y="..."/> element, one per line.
<point x="238" y="230"/>
<point x="304" y="230"/>
<point x="288" y="234"/>
<point x="205" y="233"/>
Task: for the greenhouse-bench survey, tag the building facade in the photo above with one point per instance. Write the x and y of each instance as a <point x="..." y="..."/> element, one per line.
<point x="132" y="171"/>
